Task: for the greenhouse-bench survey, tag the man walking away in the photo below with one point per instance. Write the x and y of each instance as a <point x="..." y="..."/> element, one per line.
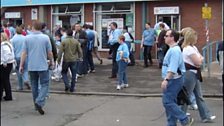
<point x="37" y="47"/>
<point x="72" y="53"/>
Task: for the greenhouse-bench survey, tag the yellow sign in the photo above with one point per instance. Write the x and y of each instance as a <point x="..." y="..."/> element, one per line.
<point x="206" y="12"/>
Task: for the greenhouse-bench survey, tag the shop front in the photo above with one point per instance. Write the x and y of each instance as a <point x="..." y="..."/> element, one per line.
<point x="170" y="15"/>
<point x="15" y="18"/>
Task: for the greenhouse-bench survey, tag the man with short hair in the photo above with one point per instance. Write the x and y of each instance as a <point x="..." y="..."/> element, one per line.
<point x="81" y="36"/>
<point x="18" y="41"/>
<point x="172" y="74"/>
<point x="89" y="48"/>
<point x="37" y="48"/>
<point x="115" y="33"/>
<point x="72" y="53"/>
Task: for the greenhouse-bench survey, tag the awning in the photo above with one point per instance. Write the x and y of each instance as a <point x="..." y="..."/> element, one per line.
<point x="13" y="3"/>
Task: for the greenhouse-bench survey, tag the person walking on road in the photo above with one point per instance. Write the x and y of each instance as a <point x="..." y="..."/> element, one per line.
<point x="172" y="74"/>
<point x="37" y="49"/>
<point x="192" y="79"/>
<point x="72" y="53"/>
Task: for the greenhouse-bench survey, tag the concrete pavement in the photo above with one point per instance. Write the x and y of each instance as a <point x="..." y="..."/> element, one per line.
<point x="76" y="110"/>
<point x="142" y="81"/>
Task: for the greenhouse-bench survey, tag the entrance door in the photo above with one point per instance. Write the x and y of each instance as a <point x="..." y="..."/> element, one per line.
<point x="171" y="20"/>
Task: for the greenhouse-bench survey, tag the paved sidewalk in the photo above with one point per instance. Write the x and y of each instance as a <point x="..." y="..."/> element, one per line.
<point x="142" y="81"/>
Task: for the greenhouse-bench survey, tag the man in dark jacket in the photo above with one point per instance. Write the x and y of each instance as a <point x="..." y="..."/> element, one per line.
<point x="81" y="36"/>
<point x="54" y="50"/>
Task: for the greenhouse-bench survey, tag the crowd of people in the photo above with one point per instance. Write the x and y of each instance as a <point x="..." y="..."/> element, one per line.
<point x="37" y="56"/>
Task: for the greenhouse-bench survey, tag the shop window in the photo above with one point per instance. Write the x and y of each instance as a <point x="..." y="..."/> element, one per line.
<point x="121" y="13"/>
<point x="122" y="6"/>
<point x="107" y="7"/>
<point x="67" y="15"/>
<point x="63" y="9"/>
<point x="113" y="7"/>
<point x="74" y="8"/>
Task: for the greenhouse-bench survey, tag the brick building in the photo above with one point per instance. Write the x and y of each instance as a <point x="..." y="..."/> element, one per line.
<point x="132" y="13"/>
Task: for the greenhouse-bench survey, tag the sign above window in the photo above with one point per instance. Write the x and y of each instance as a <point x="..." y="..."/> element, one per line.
<point x="166" y="10"/>
<point x="12" y="15"/>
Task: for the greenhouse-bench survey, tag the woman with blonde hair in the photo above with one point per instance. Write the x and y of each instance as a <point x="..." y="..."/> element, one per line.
<point x="192" y="80"/>
<point x="7" y="59"/>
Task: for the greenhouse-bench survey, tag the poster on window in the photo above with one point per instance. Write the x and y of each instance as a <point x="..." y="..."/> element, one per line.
<point x="34" y="14"/>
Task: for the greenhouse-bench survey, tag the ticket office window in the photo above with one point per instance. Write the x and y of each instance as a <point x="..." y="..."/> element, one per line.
<point x="67" y="15"/>
<point x="107" y="13"/>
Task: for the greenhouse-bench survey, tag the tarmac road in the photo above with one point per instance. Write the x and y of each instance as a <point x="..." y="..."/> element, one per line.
<point x="91" y="110"/>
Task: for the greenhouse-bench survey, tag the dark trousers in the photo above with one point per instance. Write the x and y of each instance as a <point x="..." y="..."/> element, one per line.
<point x="83" y="65"/>
<point x="73" y="67"/>
<point x="114" y="63"/>
<point x="5" y="81"/>
<point x="132" y="58"/>
<point x="147" y="54"/>
<point x="90" y="60"/>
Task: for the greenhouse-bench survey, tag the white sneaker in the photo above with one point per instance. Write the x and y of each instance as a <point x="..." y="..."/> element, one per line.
<point x="188" y="114"/>
<point x="126" y="85"/>
<point x="210" y="119"/>
<point x="118" y="87"/>
<point x="195" y="107"/>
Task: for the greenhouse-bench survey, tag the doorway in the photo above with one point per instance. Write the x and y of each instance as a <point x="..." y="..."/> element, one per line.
<point x="173" y="21"/>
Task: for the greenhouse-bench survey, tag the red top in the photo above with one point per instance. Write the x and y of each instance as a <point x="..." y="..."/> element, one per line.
<point x="24" y="33"/>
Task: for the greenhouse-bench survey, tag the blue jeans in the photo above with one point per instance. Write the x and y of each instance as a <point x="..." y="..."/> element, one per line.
<point x="39" y="95"/>
<point x="48" y="91"/>
<point x="73" y="67"/>
<point x="193" y="99"/>
<point x="193" y="85"/>
<point x="173" y="111"/>
<point x="161" y="56"/>
<point x="21" y="77"/>
<point x="122" y="65"/>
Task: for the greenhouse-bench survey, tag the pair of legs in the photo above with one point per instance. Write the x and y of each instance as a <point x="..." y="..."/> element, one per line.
<point x="24" y="77"/>
<point x="83" y="65"/>
<point x="73" y="66"/>
<point x="147" y="55"/>
<point x="95" y="51"/>
<point x="193" y="85"/>
<point x="90" y="60"/>
<point x="169" y="98"/>
<point x="39" y="78"/>
<point x="5" y="82"/>
<point x="122" y="65"/>
<point x="114" y="62"/>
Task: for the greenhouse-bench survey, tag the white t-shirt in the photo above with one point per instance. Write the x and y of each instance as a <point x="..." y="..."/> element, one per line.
<point x="127" y="37"/>
<point x="187" y="52"/>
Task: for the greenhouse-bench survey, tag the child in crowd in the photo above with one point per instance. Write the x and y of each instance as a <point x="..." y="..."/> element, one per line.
<point x="122" y="59"/>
